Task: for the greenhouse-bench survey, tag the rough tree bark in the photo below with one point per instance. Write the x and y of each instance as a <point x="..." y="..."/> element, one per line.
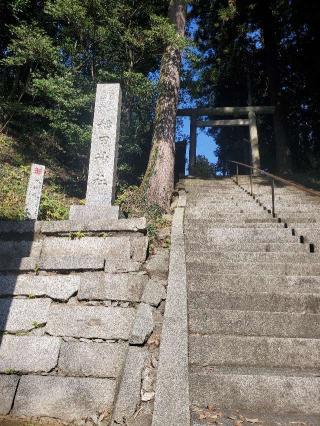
<point x="158" y="181"/>
<point x="283" y="155"/>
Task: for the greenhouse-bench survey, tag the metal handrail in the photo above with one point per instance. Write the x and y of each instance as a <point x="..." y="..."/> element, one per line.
<point x="273" y="179"/>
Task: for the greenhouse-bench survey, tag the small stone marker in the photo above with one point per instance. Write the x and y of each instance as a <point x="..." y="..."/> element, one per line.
<point x="103" y="157"/>
<point x="34" y="192"/>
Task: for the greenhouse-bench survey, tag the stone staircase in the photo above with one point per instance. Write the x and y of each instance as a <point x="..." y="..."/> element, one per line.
<point x="253" y="304"/>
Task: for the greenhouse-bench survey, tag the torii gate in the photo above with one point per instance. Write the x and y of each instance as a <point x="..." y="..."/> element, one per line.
<point x="248" y="111"/>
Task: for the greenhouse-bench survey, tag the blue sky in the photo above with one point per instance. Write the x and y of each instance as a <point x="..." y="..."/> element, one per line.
<point x="205" y="144"/>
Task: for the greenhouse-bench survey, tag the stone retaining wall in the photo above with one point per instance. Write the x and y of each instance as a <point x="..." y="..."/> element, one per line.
<point x="80" y="316"/>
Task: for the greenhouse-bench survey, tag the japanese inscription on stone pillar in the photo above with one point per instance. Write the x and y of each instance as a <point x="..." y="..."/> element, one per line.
<point x="104" y="145"/>
<point x="34" y="191"/>
<point x="103" y="157"/>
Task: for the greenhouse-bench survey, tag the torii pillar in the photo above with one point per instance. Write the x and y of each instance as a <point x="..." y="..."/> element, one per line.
<point x="193" y="143"/>
<point x="254" y="141"/>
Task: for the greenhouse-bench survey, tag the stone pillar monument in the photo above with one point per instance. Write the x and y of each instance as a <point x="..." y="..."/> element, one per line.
<point x="34" y="190"/>
<point x="103" y="157"/>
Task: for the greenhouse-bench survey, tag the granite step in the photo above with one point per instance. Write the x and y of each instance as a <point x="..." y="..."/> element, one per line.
<point x="69" y="399"/>
<point x="56" y="263"/>
<point x="266" y="234"/>
<point x="20" y="248"/>
<point x="126" y="247"/>
<point x="256" y="352"/>
<point x="266" y="301"/>
<point x="258" y="268"/>
<point x="214" y="256"/>
<point x="56" y="286"/>
<point x="91" y="322"/>
<point x="263" y="393"/>
<point x="33" y="228"/>
<point x="249" y="284"/>
<point x="212" y="246"/>
<point x="209" y="224"/>
<point x="254" y="323"/>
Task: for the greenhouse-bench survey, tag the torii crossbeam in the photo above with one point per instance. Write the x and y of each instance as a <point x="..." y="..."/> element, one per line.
<point x="249" y="112"/>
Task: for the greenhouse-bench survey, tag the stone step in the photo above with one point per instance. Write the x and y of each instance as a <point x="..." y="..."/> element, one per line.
<point x="249" y="284"/>
<point x="206" y="182"/>
<point x="72" y="226"/>
<point x="227" y="236"/>
<point x="257" y="352"/>
<point x="215" y="199"/>
<point x="296" y="216"/>
<point x="263" y="393"/>
<point x="215" y="256"/>
<point x="211" y="246"/>
<point x="239" y="233"/>
<point x="288" y="196"/>
<point x="292" y="210"/>
<point x="231" y="216"/>
<point x="102" y="286"/>
<point x="237" y="218"/>
<point x="311" y="233"/>
<point x="126" y="247"/>
<point x="209" y="224"/>
<point x="207" y="241"/>
<point x="254" y="323"/>
<point x="23" y="315"/>
<point x="57" y="287"/>
<point x="20" y="249"/>
<point x="226" y="208"/>
<point x="279" y="203"/>
<point x="256" y="301"/>
<point x="52" y="263"/>
<point x="92" y="322"/>
<point x="29" y="354"/>
<point x="69" y="399"/>
<point x="216" y="203"/>
<point x="246" y="268"/>
<point x="92" y="359"/>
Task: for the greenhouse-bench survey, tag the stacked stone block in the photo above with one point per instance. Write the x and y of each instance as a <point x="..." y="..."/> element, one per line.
<point x="76" y="307"/>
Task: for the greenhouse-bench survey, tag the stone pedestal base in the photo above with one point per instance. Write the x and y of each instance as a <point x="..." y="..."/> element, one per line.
<point x="93" y="212"/>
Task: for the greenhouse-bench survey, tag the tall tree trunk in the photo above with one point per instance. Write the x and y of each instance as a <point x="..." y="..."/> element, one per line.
<point x="159" y="177"/>
<point x="283" y="156"/>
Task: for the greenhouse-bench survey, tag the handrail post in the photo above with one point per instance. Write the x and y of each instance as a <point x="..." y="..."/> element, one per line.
<point x="272" y="193"/>
<point x="251" y="190"/>
<point x="237" y="174"/>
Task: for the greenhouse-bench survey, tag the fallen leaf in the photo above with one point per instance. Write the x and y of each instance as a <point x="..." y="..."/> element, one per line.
<point x="232" y="417"/>
<point x="212" y="416"/>
<point x="202" y="416"/>
<point x="211" y="408"/>
<point x="238" y="423"/>
<point x="252" y="420"/>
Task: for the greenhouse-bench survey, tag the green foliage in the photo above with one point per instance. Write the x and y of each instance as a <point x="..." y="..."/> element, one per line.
<point x="52" y="206"/>
<point x="76" y="235"/>
<point x="203" y="168"/>
<point x="14" y="181"/>
<point x="52" y="55"/>
<point x="30" y="45"/>
<point x="132" y="202"/>
<point x="10" y="371"/>
<point x="36" y="324"/>
<point x="273" y="42"/>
